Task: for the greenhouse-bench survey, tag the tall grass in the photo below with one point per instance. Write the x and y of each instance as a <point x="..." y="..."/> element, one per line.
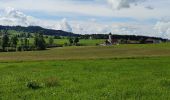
<point x="118" y="79"/>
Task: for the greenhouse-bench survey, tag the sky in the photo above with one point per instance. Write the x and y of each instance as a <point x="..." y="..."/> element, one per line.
<point x="133" y="17"/>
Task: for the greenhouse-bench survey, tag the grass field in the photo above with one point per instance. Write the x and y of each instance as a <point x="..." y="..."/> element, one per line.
<point x="90" y="52"/>
<point x="83" y="42"/>
<point x="122" y="72"/>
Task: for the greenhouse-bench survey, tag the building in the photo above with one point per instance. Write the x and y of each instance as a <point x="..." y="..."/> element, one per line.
<point x="110" y="41"/>
<point x="152" y="41"/>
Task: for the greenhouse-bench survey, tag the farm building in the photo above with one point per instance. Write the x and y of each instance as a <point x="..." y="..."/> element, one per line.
<point x="152" y="41"/>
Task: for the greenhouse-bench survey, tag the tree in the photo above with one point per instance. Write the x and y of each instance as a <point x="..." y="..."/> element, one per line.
<point x="76" y="40"/>
<point x="142" y="41"/>
<point x="51" y="41"/>
<point x="22" y="44"/>
<point x="57" y="37"/>
<point x="71" y="41"/>
<point x="39" y="42"/>
<point x="5" y="40"/>
<point x="14" y="41"/>
<point x="28" y="35"/>
<point x="26" y="43"/>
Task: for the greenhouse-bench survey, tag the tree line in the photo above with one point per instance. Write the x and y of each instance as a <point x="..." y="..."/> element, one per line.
<point x="30" y="42"/>
<point x="22" y="42"/>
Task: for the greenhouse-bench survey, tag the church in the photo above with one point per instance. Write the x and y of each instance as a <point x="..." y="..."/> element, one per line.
<point x="111" y="40"/>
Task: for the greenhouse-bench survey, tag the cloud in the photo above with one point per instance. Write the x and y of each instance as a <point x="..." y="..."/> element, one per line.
<point x="149" y="7"/>
<point x="63" y="25"/>
<point x="92" y="8"/>
<point x="14" y="17"/>
<point x="91" y="27"/>
<point x="163" y="29"/>
<point x="120" y="4"/>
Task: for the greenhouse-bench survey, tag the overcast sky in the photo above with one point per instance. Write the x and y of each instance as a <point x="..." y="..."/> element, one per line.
<point x="137" y="17"/>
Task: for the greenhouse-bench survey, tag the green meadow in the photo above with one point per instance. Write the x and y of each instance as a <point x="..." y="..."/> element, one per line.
<point x="84" y="42"/>
<point x="121" y="72"/>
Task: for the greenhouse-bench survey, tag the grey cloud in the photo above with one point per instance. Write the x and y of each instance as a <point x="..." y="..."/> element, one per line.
<point x="149" y="7"/>
<point x="120" y="4"/>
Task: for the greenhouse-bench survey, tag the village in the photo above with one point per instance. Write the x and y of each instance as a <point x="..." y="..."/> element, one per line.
<point x="113" y="41"/>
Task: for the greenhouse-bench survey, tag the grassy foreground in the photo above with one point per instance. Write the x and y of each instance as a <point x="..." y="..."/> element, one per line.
<point x="133" y="72"/>
<point x="109" y="79"/>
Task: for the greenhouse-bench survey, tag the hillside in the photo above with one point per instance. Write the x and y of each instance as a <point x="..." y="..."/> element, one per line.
<point x="52" y="32"/>
<point x="37" y="29"/>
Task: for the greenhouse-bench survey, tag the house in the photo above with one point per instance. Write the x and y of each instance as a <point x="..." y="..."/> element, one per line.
<point x="90" y="38"/>
<point x="152" y="41"/>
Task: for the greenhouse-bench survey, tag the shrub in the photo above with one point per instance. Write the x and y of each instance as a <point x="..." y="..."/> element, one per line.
<point x="19" y="48"/>
<point x="97" y="44"/>
<point x="66" y="44"/>
<point x="32" y="48"/>
<point x="34" y="85"/>
<point x="165" y="83"/>
<point x="51" y="82"/>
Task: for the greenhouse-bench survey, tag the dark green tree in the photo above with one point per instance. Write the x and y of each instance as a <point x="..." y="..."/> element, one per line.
<point x="26" y="43"/>
<point x="5" y="41"/>
<point x="71" y="41"/>
<point x="14" y="41"/>
<point x="76" y="40"/>
<point x="39" y="42"/>
<point x="142" y="41"/>
<point x="51" y="40"/>
<point x="22" y="44"/>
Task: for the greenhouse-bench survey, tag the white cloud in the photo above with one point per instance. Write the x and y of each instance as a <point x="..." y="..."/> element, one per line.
<point x="91" y="27"/>
<point x="53" y="7"/>
<point x="119" y="4"/>
<point x="63" y="25"/>
<point x="13" y="17"/>
<point x="163" y="29"/>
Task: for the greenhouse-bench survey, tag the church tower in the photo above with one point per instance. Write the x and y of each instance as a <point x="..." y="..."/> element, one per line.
<point x="110" y="38"/>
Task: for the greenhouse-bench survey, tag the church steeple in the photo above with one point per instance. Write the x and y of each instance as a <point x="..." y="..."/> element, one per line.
<point x="110" y="38"/>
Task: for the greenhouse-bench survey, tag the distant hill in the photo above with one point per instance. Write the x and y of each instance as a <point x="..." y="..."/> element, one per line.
<point x="52" y="32"/>
<point x="37" y="29"/>
<point x="125" y="37"/>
